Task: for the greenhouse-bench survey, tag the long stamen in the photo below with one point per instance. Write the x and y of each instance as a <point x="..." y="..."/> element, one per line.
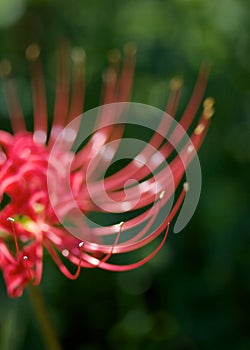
<point x="12" y="222"/>
<point x="156" y="209"/>
<point x="39" y="95"/>
<point x="60" y="264"/>
<point x="78" y="86"/>
<point x="110" y="77"/>
<point x="76" y="105"/>
<point x="196" y="98"/>
<point x="126" y="79"/>
<point x="62" y="86"/>
<point x="28" y="269"/>
<point x="175" y="88"/>
<point x="120" y="225"/>
<point x="111" y="267"/>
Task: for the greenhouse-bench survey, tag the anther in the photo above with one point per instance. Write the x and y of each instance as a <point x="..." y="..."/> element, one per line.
<point x="190" y="149"/>
<point x="186" y="186"/>
<point x="32" y="52"/>
<point x="77" y="273"/>
<point x="114" y="56"/>
<point x="80" y="245"/>
<point x="199" y="129"/>
<point x="130" y="49"/>
<point x="162" y="194"/>
<point x="120" y="224"/>
<point x="65" y="253"/>
<point x="208" y="103"/>
<point x="175" y="83"/>
<point x="10" y="219"/>
<point x="78" y="55"/>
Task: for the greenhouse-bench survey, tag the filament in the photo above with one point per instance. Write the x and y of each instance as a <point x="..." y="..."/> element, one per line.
<point x="28" y="269"/>
<point x="12" y="222"/>
<point x="61" y="265"/>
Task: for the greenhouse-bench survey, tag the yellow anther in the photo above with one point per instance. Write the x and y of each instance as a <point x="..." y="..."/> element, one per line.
<point x="129" y="49"/>
<point x="114" y="56"/>
<point x="208" y="103"/>
<point x="199" y="129"/>
<point x="78" y="54"/>
<point x="32" y="52"/>
<point x="175" y="83"/>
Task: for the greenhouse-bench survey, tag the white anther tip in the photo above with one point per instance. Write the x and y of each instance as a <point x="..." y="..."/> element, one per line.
<point x="186" y="186"/>
<point x="81" y="244"/>
<point x="162" y="194"/>
<point x="190" y="149"/>
<point x="10" y="219"/>
<point x="120" y="224"/>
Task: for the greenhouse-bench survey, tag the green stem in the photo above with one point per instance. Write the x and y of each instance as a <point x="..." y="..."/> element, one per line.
<point x="47" y="329"/>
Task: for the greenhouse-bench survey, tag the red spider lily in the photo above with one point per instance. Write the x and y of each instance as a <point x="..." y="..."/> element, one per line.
<point x="28" y="222"/>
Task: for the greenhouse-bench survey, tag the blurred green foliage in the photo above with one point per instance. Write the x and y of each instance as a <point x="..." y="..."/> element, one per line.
<point x="195" y="293"/>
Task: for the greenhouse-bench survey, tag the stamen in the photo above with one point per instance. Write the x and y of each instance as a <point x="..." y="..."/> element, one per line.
<point x="127" y="73"/>
<point x="190" y="149"/>
<point x="156" y="209"/>
<point x="61" y="265"/>
<point x="175" y="91"/>
<point x="209" y="102"/>
<point x="65" y="253"/>
<point x="137" y="264"/>
<point x="208" y="113"/>
<point x="62" y="89"/>
<point x="78" y="55"/>
<point x="38" y="91"/>
<point x="119" y="226"/>
<point x="175" y="83"/>
<point x="77" y="273"/>
<point x="196" y="98"/>
<point x="110" y="78"/>
<point x="28" y="269"/>
<point x="12" y="222"/>
<point x="130" y="49"/>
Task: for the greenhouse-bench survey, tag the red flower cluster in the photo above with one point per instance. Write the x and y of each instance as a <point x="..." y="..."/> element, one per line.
<point x="28" y="223"/>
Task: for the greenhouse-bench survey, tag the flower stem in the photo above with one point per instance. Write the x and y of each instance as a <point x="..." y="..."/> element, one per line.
<point x="41" y="311"/>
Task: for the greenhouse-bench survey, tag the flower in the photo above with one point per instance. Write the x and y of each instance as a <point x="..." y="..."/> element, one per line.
<point x="30" y="220"/>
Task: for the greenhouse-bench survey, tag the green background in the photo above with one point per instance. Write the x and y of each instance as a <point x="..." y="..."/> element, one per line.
<point x="195" y="293"/>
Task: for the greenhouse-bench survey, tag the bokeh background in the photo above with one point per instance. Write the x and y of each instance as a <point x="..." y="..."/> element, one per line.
<point x="195" y="293"/>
